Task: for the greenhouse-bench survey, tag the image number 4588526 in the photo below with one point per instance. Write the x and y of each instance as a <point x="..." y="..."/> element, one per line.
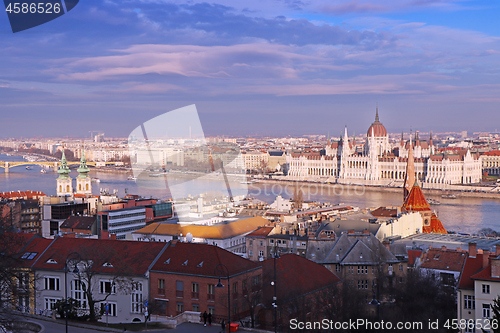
<point x="26" y="14"/>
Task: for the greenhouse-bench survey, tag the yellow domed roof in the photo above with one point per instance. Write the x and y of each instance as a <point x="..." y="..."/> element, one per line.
<point x="377" y="127"/>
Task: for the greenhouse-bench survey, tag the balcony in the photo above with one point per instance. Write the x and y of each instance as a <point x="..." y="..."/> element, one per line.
<point x="179" y="293"/>
<point x="210" y="297"/>
<point x="195" y="295"/>
<point x="161" y="291"/>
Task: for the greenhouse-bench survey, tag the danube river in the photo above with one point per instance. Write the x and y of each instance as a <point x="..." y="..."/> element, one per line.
<point x="464" y="215"/>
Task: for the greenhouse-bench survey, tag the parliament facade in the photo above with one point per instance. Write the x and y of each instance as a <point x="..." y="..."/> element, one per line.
<point x="377" y="162"/>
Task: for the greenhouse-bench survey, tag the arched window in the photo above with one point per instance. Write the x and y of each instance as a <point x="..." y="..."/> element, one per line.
<point x="60" y="188"/>
<point x="79" y="187"/>
<point x="87" y="187"/>
<point x="67" y="188"/>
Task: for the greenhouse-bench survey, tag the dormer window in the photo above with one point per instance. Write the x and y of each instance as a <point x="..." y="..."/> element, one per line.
<point x="200" y="264"/>
<point x="185" y="263"/>
<point x="51" y="261"/>
<point x="167" y="261"/>
<point x="107" y="264"/>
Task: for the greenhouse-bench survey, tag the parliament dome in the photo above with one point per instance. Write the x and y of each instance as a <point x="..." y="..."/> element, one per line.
<point x="377" y="127"/>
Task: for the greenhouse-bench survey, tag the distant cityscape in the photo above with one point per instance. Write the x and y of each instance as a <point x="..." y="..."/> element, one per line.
<point x="313" y="251"/>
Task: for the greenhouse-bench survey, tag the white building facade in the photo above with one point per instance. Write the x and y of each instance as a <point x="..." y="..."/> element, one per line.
<point x="379" y="163"/>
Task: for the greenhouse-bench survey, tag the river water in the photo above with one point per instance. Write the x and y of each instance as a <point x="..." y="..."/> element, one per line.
<point x="464" y="215"/>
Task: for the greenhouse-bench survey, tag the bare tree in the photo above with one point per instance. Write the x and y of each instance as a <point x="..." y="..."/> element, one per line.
<point x="252" y="296"/>
<point x="87" y="268"/>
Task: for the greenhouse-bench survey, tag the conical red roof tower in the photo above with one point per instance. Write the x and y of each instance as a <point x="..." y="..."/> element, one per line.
<point x="415" y="202"/>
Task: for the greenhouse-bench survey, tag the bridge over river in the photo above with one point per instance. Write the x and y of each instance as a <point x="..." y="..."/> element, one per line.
<point x="54" y="165"/>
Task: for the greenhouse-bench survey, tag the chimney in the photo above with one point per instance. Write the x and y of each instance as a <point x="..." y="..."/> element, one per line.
<point x="350" y="232"/>
<point x="495" y="267"/>
<point x="472" y="250"/>
<point x="112" y="236"/>
<point x="486" y="255"/>
<point x="443" y="248"/>
<point x="366" y="232"/>
<point x="496" y="250"/>
<point x="387" y="245"/>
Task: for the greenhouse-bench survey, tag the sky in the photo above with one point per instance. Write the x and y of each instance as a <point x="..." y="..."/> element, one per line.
<point x="264" y="68"/>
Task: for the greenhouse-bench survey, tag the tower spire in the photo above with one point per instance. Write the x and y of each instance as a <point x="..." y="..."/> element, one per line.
<point x="376" y="114"/>
<point x="64" y="183"/>
<point x="410" y="172"/>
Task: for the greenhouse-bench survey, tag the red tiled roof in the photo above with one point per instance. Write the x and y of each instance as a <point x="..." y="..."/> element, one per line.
<point x="492" y="153"/>
<point x="200" y="259"/>
<point x="32" y="251"/>
<point x="130" y="257"/>
<point x="261" y="232"/>
<point x="472" y="266"/>
<point x="485" y="274"/>
<point x="447" y="260"/>
<point x="296" y="276"/>
<point x="22" y="194"/>
<point x="13" y="243"/>
<point x="385" y="212"/>
<point x="413" y="255"/>
<point x="79" y="222"/>
<point x="435" y="226"/>
<point x="415" y="201"/>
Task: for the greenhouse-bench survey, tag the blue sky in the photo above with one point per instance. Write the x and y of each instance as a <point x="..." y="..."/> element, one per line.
<point x="275" y="67"/>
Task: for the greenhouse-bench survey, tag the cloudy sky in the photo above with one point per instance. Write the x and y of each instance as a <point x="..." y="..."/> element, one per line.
<point x="272" y="67"/>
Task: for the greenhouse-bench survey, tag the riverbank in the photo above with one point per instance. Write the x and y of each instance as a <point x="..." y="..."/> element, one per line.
<point x="371" y="188"/>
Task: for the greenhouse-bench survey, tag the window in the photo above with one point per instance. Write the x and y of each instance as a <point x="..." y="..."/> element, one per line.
<point x="261" y="253"/>
<point x="351" y="269"/>
<point x="469" y="302"/>
<point x="109" y="309"/>
<point x="211" y="310"/>
<point x="196" y="307"/>
<point x="362" y="269"/>
<point x="51" y="283"/>
<point x="50" y="303"/>
<point x="161" y="286"/>
<point x="244" y="285"/>
<point x="256" y="280"/>
<point x="180" y="307"/>
<point x="107" y="287"/>
<point x="235" y="288"/>
<point x="23" y="281"/>
<point x="338" y="269"/>
<point x="78" y="293"/>
<point x="362" y="284"/>
<point x="179" y="289"/>
<point x="211" y="292"/>
<point x="400" y="267"/>
<point x="486" y="310"/>
<point x="195" y="291"/>
<point x="250" y="253"/>
<point x="486" y="288"/>
<point x="136" y="297"/>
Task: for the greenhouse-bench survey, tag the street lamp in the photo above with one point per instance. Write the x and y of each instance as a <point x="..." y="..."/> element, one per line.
<point x="75" y="271"/>
<point x="273" y="283"/>
<point x="220" y="285"/>
<point x="374" y="300"/>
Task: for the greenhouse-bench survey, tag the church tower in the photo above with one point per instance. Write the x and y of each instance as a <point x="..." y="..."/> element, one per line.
<point x="64" y="183"/>
<point x="83" y="181"/>
<point x="410" y="172"/>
